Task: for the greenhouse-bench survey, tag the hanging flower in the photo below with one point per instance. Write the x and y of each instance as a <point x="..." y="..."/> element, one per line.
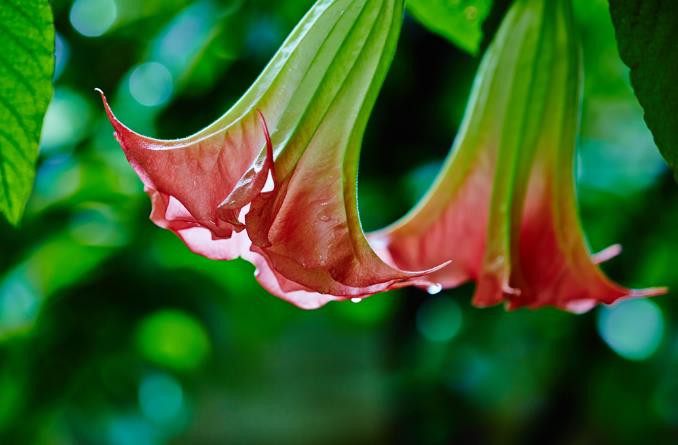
<point x="299" y="127"/>
<point x="274" y="179"/>
<point x="504" y="205"/>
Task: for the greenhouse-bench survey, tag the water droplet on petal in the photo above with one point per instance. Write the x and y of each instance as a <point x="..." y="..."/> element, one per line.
<point x="435" y="289"/>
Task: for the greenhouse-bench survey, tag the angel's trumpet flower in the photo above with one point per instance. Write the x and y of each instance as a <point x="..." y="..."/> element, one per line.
<point x="314" y="97"/>
<point x="504" y="207"/>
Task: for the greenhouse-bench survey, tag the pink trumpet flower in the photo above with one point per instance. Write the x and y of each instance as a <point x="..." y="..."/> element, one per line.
<point x="300" y="128"/>
<point x="504" y="205"/>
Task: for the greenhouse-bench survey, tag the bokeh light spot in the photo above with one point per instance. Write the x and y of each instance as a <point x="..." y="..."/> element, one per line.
<point x="58" y="177"/>
<point x="62" y="53"/>
<point x="66" y="121"/>
<point x="92" y="18"/>
<point x="263" y="36"/>
<point x="19" y="304"/>
<point x="161" y="399"/>
<point x="633" y="329"/>
<point x="151" y="84"/>
<point x="417" y="182"/>
<point x="97" y="226"/>
<point x="439" y="319"/>
<point x="131" y="431"/>
<point x="173" y="339"/>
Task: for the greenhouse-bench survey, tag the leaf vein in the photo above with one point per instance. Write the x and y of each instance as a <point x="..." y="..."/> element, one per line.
<point x="36" y="25"/>
<point x="19" y="76"/>
<point x="32" y="55"/>
<point x="21" y="123"/>
<point x="17" y="147"/>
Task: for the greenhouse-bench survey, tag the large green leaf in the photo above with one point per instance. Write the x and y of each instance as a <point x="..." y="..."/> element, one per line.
<point x="647" y="33"/>
<point x="26" y="66"/>
<point x="460" y="21"/>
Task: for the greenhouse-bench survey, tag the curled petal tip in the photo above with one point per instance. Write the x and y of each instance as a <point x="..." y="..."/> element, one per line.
<point x="649" y="292"/>
<point x="104" y="100"/>
<point x="512" y="291"/>
<point x="269" y="145"/>
<point x="608" y="254"/>
<point x="117" y="125"/>
<point x="583" y="306"/>
<point x="432" y="270"/>
<point x="264" y="127"/>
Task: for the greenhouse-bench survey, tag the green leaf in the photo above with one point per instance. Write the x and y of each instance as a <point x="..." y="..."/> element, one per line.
<point x="647" y="35"/>
<point x="26" y="67"/>
<point x="460" y="21"/>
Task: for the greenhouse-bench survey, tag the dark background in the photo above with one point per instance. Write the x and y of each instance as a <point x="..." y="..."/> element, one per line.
<point x="112" y="332"/>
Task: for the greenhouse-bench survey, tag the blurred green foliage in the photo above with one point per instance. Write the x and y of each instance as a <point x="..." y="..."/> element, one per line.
<point x="112" y="332"/>
<point x="460" y="21"/>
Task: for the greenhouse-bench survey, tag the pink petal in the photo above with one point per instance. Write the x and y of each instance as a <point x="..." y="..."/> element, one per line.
<point x="504" y="206"/>
<point x="202" y="182"/>
<point x="554" y="266"/>
<point x="308" y="232"/>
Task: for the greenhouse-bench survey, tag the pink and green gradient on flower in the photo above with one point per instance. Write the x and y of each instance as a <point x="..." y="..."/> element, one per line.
<point x="314" y="98"/>
<point x="504" y="205"/>
<point x="274" y="180"/>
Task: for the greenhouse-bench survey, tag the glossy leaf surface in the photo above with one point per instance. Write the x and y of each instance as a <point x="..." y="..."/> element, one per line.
<point x="26" y="67"/>
<point x="647" y="34"/>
